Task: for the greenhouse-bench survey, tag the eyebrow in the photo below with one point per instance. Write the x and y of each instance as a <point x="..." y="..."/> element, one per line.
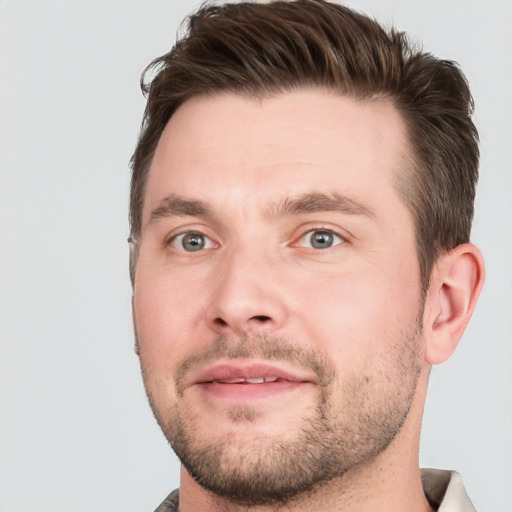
<point x="319" y="202"/>
<point x="178" y="206"/>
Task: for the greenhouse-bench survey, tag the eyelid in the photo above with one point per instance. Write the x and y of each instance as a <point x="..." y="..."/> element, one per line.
<point x="173" y="239"/>
<point x="311" y="229"/>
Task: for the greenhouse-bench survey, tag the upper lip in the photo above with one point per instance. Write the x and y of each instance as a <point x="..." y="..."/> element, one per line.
<point x="222" y="371"/>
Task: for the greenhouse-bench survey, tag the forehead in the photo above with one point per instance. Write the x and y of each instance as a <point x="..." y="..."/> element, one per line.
<point x="248" y="150"/>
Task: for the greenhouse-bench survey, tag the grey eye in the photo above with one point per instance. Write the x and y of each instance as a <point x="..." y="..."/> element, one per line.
<point x="190" y="242"/>
<point x="320" y="239"/>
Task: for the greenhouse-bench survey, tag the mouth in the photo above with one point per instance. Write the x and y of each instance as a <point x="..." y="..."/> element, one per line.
<point x="247" y="372"/>
<point x="247" y="381"/>
<point x="255" y="380"/>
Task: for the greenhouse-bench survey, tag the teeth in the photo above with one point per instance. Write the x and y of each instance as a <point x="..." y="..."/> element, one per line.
<point x="258" y="380"/>
<point x="241" y="380"/>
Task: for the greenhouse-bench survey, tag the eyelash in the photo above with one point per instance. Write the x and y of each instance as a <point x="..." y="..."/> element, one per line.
<point x="172" y="241"/>
<point x="322" y="229"/>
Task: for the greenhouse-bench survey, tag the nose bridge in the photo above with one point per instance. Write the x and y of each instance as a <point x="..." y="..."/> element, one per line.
<point x="246" y="296"/>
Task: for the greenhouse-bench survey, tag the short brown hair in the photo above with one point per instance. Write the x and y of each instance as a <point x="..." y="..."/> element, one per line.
<point x="261" y="49"/>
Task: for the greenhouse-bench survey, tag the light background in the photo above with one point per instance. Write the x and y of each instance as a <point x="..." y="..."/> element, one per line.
<point x="76" y="433"/>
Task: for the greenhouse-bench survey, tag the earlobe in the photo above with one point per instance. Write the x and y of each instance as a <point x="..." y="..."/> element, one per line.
<point x="455" y="285"/>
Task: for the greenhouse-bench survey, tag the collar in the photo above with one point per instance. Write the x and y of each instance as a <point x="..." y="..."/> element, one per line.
<point x="445" y="491"/>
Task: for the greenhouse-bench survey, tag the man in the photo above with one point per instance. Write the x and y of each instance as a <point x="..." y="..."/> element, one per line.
<point x="301" y="203"/>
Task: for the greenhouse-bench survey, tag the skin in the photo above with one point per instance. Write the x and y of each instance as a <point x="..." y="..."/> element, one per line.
<point x="357" y="304"/>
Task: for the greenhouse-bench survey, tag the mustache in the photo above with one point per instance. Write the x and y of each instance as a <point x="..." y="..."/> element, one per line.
<point x="261" y="346"/>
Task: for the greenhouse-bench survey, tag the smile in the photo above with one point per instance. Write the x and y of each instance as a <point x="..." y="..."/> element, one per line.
<point x="256" y="380"/>
<point x="241" y="381"/>
<point x="247" y="372"/>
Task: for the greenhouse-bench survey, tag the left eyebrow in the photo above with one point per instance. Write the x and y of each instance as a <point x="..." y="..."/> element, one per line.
<point x="318" y="202"/>
<point x="175" y="205"/>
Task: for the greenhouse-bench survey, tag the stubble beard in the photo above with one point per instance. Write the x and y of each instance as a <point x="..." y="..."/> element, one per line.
<point x="331" y="441"/>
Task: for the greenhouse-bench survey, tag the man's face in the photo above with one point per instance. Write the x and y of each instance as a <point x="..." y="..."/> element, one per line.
<point x="277" y="297"/>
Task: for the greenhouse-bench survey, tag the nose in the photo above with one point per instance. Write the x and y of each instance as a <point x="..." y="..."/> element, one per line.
<point x="247" y="297"/>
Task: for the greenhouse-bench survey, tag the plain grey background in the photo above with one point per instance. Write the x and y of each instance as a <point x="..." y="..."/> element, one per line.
<point x="76" y="433"/>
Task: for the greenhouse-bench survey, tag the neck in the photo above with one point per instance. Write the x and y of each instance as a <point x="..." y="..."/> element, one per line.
<point x="390" y="489"/>
<point x="384" y="486"/>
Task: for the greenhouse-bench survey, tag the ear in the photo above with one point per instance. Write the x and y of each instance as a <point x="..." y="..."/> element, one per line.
<point x="455" y="284"/>
<point x="136" y="346"/>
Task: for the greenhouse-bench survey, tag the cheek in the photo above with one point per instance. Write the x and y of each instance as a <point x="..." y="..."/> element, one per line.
<point x="361" y="313"/>
<point x="165" y="316"/>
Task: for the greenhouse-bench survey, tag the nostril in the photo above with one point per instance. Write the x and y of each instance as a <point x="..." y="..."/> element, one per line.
<point x="243" y="324"/>
<point x="261" y="318"/>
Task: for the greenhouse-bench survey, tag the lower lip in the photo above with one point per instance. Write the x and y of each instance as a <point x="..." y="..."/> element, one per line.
<point x="248" y="392"/>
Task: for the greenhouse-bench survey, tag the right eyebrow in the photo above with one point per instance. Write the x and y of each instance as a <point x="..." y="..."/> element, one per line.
<point x="179" y="206"/>
<point x="319" y="202"/>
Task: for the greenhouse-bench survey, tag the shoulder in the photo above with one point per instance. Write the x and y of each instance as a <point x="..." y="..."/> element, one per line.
<point x="170" y="504"/>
